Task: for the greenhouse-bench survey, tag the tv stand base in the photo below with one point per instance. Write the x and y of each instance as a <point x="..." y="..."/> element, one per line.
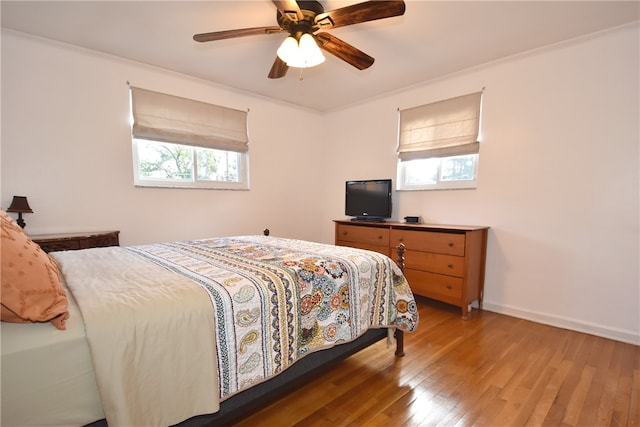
<point x="367" y="219"/>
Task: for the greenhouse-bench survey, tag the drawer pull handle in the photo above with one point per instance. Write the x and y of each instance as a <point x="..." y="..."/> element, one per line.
<point x="401" y="239"/>
<point x="450" y="265"/>
<point x="450" y="244"/>
<point x="380" y="237"/>
<point x="448" y="286"/>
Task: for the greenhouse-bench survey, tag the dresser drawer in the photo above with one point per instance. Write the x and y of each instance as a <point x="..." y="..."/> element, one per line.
<point x="364" y="235"/>
<point x="437" y="286"/>
<point x="430" y="241"/>
<point x="450" y="265"/>
<point x="100" y="241"/>
<point x="62" y="245"/>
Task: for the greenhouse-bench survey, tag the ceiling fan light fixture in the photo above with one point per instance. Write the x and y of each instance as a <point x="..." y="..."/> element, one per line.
<point x="301" y="19"/>
<point x="310" y="51"/>
<point x="302" y="54"/>
<point x="288" y="49"/>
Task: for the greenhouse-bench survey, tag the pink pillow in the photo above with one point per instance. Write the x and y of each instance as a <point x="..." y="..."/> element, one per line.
<point x="31" y="290"/>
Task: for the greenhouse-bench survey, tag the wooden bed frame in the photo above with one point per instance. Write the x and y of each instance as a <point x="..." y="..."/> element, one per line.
<point x="249" y="401"/>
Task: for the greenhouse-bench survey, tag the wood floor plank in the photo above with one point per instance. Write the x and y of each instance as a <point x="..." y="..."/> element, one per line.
<point x="634" y="406"/>
<point x="604" y="414"/>
<point x="549" y="394"/>
<point x="491" y="370"/>
<point x="621" y="407"/>
<point x="576" y="404"/>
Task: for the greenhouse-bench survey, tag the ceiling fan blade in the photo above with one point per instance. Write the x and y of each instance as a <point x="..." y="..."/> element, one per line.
<point x="361" y="12"/>
<point x="344" y="51"/>
<point x="229" y="34"/>
<point x="278" y="69"/>
<point x="290" y="9"/>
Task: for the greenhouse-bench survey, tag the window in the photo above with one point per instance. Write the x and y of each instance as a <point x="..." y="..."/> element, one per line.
<point x="438" y="144"/>
<point x="179" y="142"/>
<point x="159" y="164"/>
<point x="438" y="173"/>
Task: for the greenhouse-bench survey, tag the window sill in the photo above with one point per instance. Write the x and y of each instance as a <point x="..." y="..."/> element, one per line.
<point x="447" y="186"/>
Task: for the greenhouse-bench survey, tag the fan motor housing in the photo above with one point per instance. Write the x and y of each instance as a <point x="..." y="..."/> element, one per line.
<point x="309" y="9"/>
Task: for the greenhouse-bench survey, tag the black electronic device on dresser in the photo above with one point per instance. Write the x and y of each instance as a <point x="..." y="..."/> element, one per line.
<point x="368" y="200"/>
<point x="412" y="219"/>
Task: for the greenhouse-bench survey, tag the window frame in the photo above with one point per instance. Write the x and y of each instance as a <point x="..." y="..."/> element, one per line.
<point x="194" y="183"/>
<point x="402" y="185"/>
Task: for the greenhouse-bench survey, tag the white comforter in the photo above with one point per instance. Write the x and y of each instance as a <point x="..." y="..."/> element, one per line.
<point x="129" y="304"/>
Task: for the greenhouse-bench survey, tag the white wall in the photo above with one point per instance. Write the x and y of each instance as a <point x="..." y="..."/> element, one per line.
<point x="558" y="179"/>
<point x="66" y="145"/>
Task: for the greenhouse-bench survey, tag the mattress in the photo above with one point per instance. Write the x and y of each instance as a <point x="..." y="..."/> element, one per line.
<point x="33" y="393"/>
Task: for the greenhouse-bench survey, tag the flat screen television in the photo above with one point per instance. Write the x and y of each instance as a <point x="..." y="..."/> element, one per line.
<point x="368" y="200"/>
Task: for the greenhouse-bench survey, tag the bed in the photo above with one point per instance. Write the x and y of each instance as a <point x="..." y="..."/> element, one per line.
<point x="195" y="332"/>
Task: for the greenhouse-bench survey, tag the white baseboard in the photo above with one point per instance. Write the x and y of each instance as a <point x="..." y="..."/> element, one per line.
<point x="565" y="323"/>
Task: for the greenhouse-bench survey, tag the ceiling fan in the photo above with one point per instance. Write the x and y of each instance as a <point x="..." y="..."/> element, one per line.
<point x="301" y="19"/>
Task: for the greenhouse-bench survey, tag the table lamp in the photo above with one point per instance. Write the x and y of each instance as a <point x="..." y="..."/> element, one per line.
<point x="20" y="205"/>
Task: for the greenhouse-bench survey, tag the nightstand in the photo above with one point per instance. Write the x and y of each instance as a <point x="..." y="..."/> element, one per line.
<point x="74" y="241"/>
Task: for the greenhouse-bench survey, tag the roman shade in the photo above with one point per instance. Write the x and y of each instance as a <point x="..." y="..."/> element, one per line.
<point x="441" y="129"/>
<point x="167" y="118"/>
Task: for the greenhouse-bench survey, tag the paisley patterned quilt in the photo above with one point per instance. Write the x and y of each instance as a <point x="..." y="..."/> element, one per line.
<point x="277" y="299"/>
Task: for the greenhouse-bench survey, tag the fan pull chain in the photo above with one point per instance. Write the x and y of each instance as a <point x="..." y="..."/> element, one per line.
<point x="301" y="76"/>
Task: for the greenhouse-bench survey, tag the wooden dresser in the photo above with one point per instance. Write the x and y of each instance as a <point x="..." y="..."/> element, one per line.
<point x="442" y="262"/>
<point x="74" y="241"/>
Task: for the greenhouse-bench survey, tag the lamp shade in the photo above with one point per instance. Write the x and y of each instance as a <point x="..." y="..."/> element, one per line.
<point x="310" y="51"/>
<point x="19" y="204"/>
<point x="304" y="53"/>
<point x="288" y="49"/>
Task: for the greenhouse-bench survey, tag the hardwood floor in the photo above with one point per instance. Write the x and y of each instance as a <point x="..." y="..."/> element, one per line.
<point x="491" y="370"/>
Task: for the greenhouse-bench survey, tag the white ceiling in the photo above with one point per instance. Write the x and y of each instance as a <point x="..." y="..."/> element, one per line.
<point x="432" y="39"/>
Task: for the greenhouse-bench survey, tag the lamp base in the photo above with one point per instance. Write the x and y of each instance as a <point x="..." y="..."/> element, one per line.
<point x="20" y="221"/>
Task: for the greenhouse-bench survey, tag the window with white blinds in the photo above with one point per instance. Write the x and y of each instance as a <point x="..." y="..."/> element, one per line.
<point x="438" y="144"/>
<point x="180" y="142"/>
